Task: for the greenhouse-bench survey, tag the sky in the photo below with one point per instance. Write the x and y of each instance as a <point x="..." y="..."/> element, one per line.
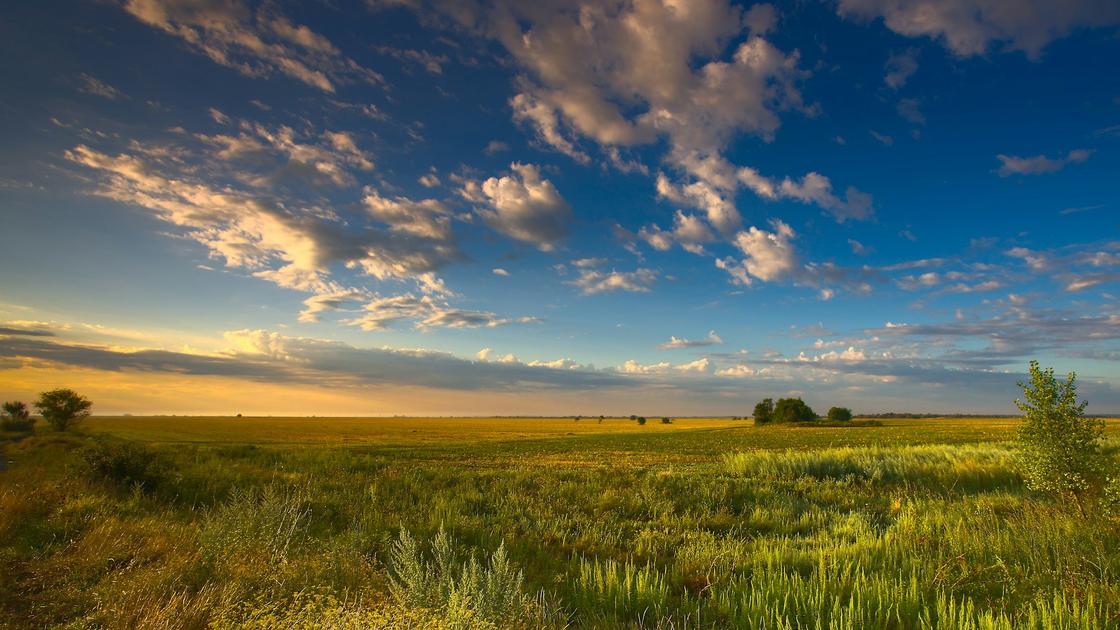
<point x="659" y="207"/>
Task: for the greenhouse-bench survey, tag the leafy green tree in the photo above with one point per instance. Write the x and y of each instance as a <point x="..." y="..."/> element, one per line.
<point x="764" y="411"/>
<point x="666" y="421"/>
<point x="839" y="414"/>
<point x="16" y="417"/>
<point x="1059" y="448"/>
<point x="793" y="410"/>
<point x="641" y="420"/>
<point x="63" y="408"/>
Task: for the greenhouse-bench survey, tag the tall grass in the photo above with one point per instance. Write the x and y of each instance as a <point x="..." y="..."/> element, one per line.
<point x="550" y="533"/>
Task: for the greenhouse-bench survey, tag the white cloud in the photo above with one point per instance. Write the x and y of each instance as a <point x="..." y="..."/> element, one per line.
<point x="703" y="365"/>
<point x="768" y="255"/>
<point x="427" y="218"/>
<point x="591" y="281"/>
<point x="688" y="230"/>
<point x="1013" y="165"/>
<point x="498" y="271"/>
<point x="674" y="342"/>
<point x="429" y="180"/>
<point x="255" y="43"/>
<point x="522" y="205"/>
<point x="971" y="27"/>
<point x="426" y="311"/>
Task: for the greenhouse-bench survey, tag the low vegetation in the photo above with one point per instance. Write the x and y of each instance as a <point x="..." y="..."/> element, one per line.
<point x="549" y="523"/>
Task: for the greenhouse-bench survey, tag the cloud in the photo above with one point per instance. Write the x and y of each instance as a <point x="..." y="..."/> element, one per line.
<point x="428" y="180"/>
<point x="426" y="218"/>
<point x="275" y="237"/>
<point x="495" y="146"/>
<point x="972" y="27"/>
<point x="269" y="357"/>
<point x="431" y="62"/>
<point x="1013" y="165"/>
<point x="97" y="87"/>
<point x="523" y="206"/>
<point x="717" y="181"/>
<point x="427" y="311"/>
<point x="908" y="108"/>
<point x="900" y="67"/>
<point x="498" y="271"/>
<point x="769" y="256"/>
<point x="255" y="43"/>
<point x="591" y="281"/>
<point x="676" y="342"/>
<point x="882" y="138"/>
<point x="689" y="231"/>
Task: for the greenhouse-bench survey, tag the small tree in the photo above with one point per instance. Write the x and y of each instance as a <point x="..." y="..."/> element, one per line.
<point x="1059" y="448"/>
<point x="63" y="408"/>
<point x="666" y="421"/>
<point x="641" y="419"/>
<point x="839" y="414"/>
<point x="793" y="410"/>
<point x="764" y="411"/>
<point x="16" y="417"/>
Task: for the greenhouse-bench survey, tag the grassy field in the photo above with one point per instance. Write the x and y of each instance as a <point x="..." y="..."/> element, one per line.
<point x="176" y="522"/>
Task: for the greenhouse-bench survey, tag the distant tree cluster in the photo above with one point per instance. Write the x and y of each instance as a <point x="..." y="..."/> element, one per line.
<point x="794" y="410"/>
<point x="61" y="408"/>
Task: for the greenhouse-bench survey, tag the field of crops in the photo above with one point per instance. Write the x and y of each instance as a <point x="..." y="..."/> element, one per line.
<point x="176" y="522"/>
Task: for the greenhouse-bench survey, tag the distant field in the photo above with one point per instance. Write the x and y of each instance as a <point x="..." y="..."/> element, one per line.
<point x="181" y="522"/>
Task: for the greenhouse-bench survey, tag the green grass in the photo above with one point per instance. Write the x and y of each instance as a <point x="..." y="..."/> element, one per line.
<point x="703" y="523"/>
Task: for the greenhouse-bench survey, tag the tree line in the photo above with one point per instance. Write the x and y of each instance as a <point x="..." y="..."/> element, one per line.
<point x="794" y="410"/>
<point x="61" y="408"/>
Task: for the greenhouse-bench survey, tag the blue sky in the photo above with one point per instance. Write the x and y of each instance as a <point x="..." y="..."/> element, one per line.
<point x="598" y="207"/>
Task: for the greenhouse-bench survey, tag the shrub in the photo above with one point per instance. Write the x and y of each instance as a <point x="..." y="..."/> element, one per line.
<point x="1059" y="448"/>
<point x="793" y="410"/>
<point x="666" y="421"/>
<point x="63" y="408"/>
<point x="641" y="420"/>
<point x="127" y="464"/>
<point x="839" y="414"/>
<point x="16" y="417"/>
<point x="457" y="587"/>
<point x="764" y="411"/>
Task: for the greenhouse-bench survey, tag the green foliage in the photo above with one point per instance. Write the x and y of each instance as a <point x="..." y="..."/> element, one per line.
<point x="16" y="417"/>
<point x="127" y="464"/>
<point x="641" y="419"/>
<point x="457" y="588"/>
<point x="764" y="411"/>
<point x="63" y="408"/>
<point x="839" y="414"/>
<point x="1059" y="448"/>
<point x="666" y="421"/>
<point x="793" y="410"/>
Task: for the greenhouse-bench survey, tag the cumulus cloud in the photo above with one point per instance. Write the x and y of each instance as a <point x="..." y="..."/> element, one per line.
<point x="674" y="342"/>
<point x="973" y="27"/>
<point x="768" y="255"/>
<point x="256" y="43"/>
<point x="220" y="193"/>
<point x="1039" y="164"/>
<point x="523" y="206"/>
<point x="689" y="231"/>
<point x="591" y="281"/>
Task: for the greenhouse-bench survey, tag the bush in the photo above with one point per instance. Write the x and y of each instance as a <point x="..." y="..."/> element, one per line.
<point x="793" y="410"/>
<point x="764" y="411"/>
<point x="641" y="420"/>
<point x="1059" y="448"/>
<point x="457" y="587"/>
<point x="666" y="421"/>
<point x="127" y="464"/>
<point x="63" y="408"/>
<point x="16" y="417"/>
<point x="839" y="414"/>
